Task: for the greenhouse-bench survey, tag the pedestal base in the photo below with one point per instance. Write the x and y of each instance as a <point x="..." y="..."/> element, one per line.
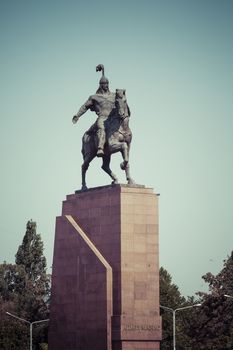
<point x="105" y="282"/>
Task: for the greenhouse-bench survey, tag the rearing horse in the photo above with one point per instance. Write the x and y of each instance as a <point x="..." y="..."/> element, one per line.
<point x="118" y="139"/>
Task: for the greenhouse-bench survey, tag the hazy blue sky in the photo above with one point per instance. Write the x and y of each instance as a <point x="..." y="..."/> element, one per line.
<point x="175" y="60"/>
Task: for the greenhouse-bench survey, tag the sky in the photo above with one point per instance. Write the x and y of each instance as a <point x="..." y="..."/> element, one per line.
<point x="175" y="60"/>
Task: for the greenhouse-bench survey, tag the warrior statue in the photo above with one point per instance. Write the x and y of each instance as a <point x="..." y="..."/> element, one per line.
<point x="102" y="103"/>
<point x="110" y="133"/>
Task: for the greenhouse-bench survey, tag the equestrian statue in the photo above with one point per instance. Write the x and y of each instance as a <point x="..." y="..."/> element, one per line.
<point x="110" y="133"/>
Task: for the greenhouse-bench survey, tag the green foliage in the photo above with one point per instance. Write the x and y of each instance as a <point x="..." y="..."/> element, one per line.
<point x="12" y="281"/>
<point x="212" y="326"/>
<point x="24" y="291"/>
<point x="169" y="292"/>
<point x="13" y="336"/>
<point x="30" y="254"/>
<point x="222" y="283"/>
<point x="171" y="297"/>
<point x="30" y="257"/>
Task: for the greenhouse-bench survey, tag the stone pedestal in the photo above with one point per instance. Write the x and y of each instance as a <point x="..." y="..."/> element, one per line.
<point x="105" y="281"/>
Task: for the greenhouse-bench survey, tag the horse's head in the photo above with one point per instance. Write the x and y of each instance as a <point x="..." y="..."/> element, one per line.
<point x="121" y="103"/>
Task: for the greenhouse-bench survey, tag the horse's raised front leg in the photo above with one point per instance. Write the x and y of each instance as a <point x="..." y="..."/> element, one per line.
<point x="106" y="168"/>
<point x="87" y="159"/>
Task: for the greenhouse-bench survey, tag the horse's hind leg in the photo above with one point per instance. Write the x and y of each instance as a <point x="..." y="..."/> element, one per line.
<point x="87" y="159"/>
<point x="125" y="155"/>
<point x="128" y="177"/>
<point x="106" y="168"/>
<point x="125" y="163"/>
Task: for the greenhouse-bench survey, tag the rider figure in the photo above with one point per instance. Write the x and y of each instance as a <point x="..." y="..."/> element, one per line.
<point x="102" y="103"/>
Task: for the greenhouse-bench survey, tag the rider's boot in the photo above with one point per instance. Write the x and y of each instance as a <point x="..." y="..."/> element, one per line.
<point x="101" y="141"/>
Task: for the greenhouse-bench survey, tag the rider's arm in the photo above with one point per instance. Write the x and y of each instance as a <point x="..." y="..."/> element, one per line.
<point x="83" y="109"/>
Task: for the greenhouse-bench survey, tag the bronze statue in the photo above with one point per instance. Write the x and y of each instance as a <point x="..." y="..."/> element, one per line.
<point x="110" y="133"/>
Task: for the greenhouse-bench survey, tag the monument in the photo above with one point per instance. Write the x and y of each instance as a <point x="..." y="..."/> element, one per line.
<point x="105" y="280"/>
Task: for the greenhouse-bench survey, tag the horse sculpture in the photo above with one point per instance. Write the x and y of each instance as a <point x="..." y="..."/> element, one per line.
<point x="118" y="139"/>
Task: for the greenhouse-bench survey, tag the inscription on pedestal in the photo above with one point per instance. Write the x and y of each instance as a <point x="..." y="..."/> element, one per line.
<point x="142" y="327"/>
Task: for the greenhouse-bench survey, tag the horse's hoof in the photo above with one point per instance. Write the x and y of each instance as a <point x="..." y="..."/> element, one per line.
<point x="84" y="188"/>
<point x="131" y="182"/>
<point x="114" y="182"/>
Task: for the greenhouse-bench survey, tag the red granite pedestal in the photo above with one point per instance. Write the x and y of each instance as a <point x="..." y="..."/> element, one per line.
<point x="105" y="281"/>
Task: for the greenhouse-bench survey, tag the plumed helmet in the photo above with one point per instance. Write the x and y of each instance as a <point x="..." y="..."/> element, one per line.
<point x="103" y="79"/>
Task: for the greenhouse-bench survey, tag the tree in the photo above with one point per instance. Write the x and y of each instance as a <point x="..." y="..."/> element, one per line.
<point x="24" y="291"/>
<point x="30" y="257"/>
<point x="211" y="327"/>
<point x="171" y="297"/>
